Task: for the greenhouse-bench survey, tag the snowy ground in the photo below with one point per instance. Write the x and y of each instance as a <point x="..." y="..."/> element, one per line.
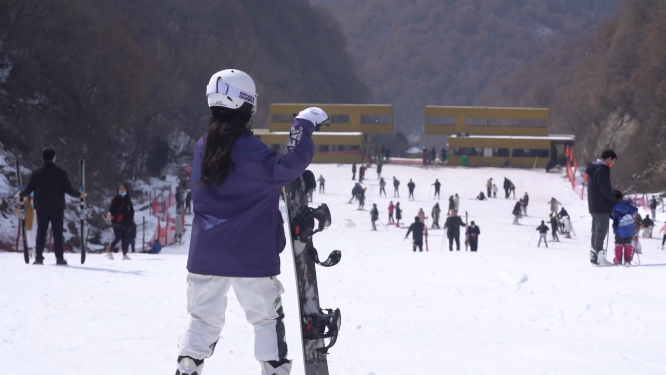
<point x="511" y="308"/>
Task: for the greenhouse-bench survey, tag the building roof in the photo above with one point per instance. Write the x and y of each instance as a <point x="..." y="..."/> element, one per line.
<point x="268" y="132"/>
<point x="552" y="137"/>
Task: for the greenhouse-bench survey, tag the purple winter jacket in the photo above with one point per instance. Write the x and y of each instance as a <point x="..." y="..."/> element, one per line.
<point x="237" y="229"/>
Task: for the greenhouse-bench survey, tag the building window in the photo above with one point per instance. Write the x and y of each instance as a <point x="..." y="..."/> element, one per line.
<point x="276" y="147"/>
<point x="376" y="119"/>
<point x="540" y="153"/>
<point x="532" y="123"/>
<point x="279" y="117"/>
<point x="502" y="152"/>
<point x="323" y="148"/>
<point x="448" y="121"/>
<point x="354" y="148"/>
<point x="501" y="122"/>
<point x="340" y="119"/>
<point x="342" y="148"/>
<point x="466" y="151"/>
<point x="475" y="121"/>
<point x="529" y="153"/>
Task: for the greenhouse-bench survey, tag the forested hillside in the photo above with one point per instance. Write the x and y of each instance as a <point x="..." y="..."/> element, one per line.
<point x="115" y="81"/>
<point x="429" y="52"/>
<point x="610" y="90"/>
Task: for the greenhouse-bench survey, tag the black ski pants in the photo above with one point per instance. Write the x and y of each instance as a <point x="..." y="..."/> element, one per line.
<point x="507" y="193"/>
<point x="382" y="190"/>
<point x="122" y="235"/>
<point x="321" y="189"/>
<point x="353" y="175"/>
<point x="451" y="239"/>
<point x="663" y="241"/>
<point x="188" y="207"/>
<point x="436" y="193"/>
<point x="418" y="243"/>
<point x="56" y="218"/>
<point x="489" y="193"/>
<point x="395" y="192"/>
<point x="411" y="193"/>
<point x="473" y="243"/>
<point x="391" y="219"/>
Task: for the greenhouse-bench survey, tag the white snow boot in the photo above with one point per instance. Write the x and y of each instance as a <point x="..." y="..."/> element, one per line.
<point x="189" y="366"/>
<point x="109" y="255"/>
<point x="283" y="367"/>
<point x="601" y="259"/>
<point x="125" y="257"/>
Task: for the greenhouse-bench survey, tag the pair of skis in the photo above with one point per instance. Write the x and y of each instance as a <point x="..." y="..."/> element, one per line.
<point x="82" y="211"/>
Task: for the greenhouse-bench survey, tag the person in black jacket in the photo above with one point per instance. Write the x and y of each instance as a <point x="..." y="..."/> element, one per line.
<point x="543" y="231"/>
<point x="526" y="201"/>
<point x="396" y="184"/>
<point x="473" y="233"/>
<point x="356" y="191"/>
<point x="648" y="225"/>
<point x="188" y="202"/>
<point x="121" y="214"/>
<point x="481" y="196"/>
<point x="600" y="201"/>
<point x="379" y="170"/>
<point x="554" y="225"/>
<point x="411" y="187"/>
<point x="374" y="216"/>
<point x="453" y="224"/>
<point x="417" y="229"/>
<point x="452" y="205"/>
<point x="398" y="214"/>
<point x="361" y="173"/>
<point x="50" y="184"/>
<point x="354" y="171"/>
<point x="438" y="185"/>
<point x="507" y="188"/>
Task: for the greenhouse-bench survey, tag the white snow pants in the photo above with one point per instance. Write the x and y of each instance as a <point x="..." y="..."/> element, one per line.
<point x="207" y="302"/>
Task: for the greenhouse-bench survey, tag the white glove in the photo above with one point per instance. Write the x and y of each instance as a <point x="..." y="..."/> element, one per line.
<point x="315" y="115"/>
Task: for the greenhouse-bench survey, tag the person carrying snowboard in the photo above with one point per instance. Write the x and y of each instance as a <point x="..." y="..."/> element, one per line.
<point x="322" y="184"/>
<point x="374" y="216"/>
<point x="390" y="213"/>
<point x="353" y="171"/>
<point x="473" y="233"/>
<point x="623" y="228"/>
<point x="553" y="227"/>
<point x="437" y="185"/>
<point x="435" y="216"/>
<point x="398" y="214"/>
<point x="543" y="232"/>
<point x="231" y="192"/>
<point x="382" y="187"/>
<point x="411" y="187"/>
<point x="50" y="184"/>
<point x="121" y="214"/>
<point x="452" y="225"/>
<point x="396" y="184"/>
<point x="417" y="228"/>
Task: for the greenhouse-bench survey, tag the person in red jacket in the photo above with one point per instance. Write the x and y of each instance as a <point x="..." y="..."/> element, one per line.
<point x="390" y="212"/>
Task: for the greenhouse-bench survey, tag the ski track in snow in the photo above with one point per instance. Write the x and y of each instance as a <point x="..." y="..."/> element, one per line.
<point x="511" y="308"/>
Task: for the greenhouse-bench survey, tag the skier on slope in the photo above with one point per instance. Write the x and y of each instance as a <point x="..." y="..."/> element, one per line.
<point x="121" y="214"/>
<point x="354" y="171"/>
<point x="543" y="232"/>
<point x="417" y="229"/>
<point x="554" y="227"/>
<point x="398" y="214"/>
<point x="231" y="193"/>
<point x="526" y="201"/>
<point x="380" y="165"/>
<point x="437" y="185"/>
<point x="322" y="184"/>
<point x="452" y="205"/>
<point x="507" y="187"/>
<point x="50" y="184"/>
<point x="647" y="225"/>
<point x="516" y="212"/>
<point x="436" y="211"/>
<point x="411" y="187"/>
<point x="623" y="228"/>
<point x="361" y="199"/>
<point x="512" y="190"/>
<point x="374" y="216"/>
<point x="494" y="191"/>
<point x="382" y="187"/>
<point x="473" y="233"/>
<point x="390" y="213"/>
<point x="356" y="191"/>
<point x="396" y="184"/>
<point x="554" y="205"/>
<point x="600" y="201"/>
<point x="653" y="206"/>
<point x="421" y="215"/>
<point x="361" y="173"/>
<point x="452" y="225"/>
<point x="456" y="200"/>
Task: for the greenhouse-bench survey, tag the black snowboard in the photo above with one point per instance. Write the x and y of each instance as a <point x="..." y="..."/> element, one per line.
<point x="317" y="324"/>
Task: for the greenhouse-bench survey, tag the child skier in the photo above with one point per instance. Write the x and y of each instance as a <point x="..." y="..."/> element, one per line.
<point x="543" y="232"/>
<point x="231" y="192"/>
<point x="473" y="233"/>
<point x="623" y="228"/>
<point x="398" y="214"/>
<point x="494" y="191"/>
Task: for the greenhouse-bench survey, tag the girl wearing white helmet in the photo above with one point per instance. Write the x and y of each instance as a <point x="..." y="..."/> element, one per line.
<point x="237" y="230"/>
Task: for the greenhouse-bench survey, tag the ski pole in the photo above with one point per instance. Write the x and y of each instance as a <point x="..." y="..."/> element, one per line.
<point x="380" y="222"/>
<point x="531" y="238"/>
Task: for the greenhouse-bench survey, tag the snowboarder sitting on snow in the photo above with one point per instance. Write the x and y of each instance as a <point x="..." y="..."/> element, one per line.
<point x="623" y="228"/>
<point x="481" y="197"/>
<point x="411" y="187"/>
<point x="224" y="185"/>
<point x="435" y="216"/>
<point x="648" y="225"/>
<point x="356" y="191"/>
<point x="543" y="231"/>
<point x="417" y="229"/>
<point x="473" y="233"/>
<point x="374" y="216"/>
<point x="154" y="247"/>
<point x="453" y="224"/>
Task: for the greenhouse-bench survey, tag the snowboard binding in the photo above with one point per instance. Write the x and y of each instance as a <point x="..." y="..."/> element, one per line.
<point x="306" y="226"/>
<point x="323" y="325"/>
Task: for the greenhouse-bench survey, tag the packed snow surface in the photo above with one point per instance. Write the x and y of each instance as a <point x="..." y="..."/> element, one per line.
<point x="511" y="308"/>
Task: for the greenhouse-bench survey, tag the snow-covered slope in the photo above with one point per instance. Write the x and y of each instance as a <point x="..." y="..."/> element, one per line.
<point x="511" y="308"/>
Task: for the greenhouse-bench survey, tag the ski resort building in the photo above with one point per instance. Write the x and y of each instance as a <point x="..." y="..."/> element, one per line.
<point x="496" y="137"/>
<point x="349" y="137"/>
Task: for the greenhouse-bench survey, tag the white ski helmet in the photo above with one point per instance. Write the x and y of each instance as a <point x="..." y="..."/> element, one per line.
<point x="231" y="88"/>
